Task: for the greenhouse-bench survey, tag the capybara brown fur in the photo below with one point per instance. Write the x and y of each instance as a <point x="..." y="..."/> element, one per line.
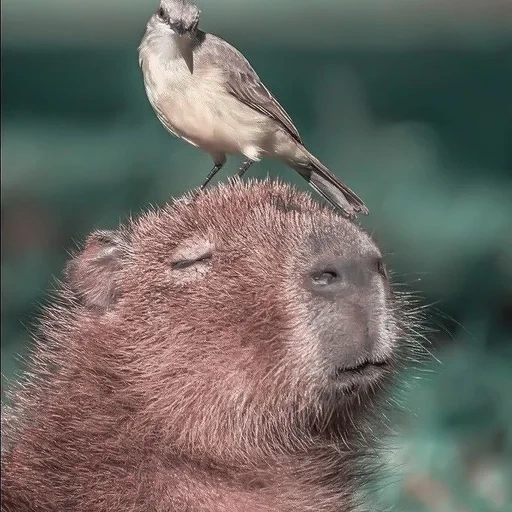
<point x="227" y="352"/>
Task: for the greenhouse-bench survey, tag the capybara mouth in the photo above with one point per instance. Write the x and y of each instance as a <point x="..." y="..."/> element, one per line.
<point x="367" y="368"/>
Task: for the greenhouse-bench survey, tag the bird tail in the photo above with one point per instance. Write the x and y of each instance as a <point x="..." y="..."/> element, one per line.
<point x="329" y="186"/>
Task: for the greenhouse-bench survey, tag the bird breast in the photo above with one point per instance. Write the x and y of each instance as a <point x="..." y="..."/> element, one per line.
<point x="197" y="106"/>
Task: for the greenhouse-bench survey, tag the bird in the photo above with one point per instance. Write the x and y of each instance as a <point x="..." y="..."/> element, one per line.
<point x="205" y="91"/>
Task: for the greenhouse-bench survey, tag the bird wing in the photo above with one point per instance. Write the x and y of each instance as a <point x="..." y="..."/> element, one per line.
<point x="243" y="83"/>
<point x="248" y="88"/>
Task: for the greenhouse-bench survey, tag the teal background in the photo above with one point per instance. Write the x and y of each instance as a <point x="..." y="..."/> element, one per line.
<point x="409" y="102"/>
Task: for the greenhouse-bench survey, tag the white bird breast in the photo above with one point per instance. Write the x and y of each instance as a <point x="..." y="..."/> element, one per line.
<point x="198" y="108"/>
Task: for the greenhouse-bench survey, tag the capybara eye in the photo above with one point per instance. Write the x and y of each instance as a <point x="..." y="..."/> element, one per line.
<point x="185" y="263"/>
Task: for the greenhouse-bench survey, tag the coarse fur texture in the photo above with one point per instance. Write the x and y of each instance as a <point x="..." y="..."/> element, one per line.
<point x="223" y="353"/>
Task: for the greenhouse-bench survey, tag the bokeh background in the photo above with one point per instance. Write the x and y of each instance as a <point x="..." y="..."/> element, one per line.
<point x="410" y="102"/>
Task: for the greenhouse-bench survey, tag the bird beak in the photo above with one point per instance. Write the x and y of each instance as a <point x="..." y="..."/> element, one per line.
<point x="185" y="48"/>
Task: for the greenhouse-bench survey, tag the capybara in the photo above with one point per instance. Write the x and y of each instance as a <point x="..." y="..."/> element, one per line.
<point x="227" y="352"/>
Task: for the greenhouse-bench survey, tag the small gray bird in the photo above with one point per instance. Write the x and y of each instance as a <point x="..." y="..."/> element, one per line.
<point x="205" y="91"/>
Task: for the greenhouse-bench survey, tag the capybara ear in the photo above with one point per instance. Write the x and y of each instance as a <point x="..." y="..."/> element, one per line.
<point x="92" y="273"/>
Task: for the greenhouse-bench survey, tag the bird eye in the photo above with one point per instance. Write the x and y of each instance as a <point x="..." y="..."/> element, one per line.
<point x="186" y="263"/>
<point x="161" y="13"/>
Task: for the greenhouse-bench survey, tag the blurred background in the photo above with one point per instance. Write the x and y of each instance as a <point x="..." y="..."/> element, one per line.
<point x="410" y="102"/>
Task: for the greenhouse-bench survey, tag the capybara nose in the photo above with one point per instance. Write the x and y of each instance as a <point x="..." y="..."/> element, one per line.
<point x="351" y="294"/>
<point x="336" y="277"/>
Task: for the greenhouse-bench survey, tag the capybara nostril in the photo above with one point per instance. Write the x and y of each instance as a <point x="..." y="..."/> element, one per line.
<point x="336" y="277"/>
<point x="323" y="278"/>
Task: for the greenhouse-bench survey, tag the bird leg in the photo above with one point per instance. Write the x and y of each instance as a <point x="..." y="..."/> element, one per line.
<point x="211" y="174"/>
<point x="247" y="163"/>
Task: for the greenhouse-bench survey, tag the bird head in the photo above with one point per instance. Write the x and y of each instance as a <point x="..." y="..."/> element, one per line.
<point x="180" y="16"/>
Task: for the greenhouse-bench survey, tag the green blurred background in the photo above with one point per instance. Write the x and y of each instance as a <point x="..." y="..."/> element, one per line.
<point x="410" y="102"/>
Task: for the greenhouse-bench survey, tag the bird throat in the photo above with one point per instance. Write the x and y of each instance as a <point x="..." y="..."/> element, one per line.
<point x="185" y="49"/>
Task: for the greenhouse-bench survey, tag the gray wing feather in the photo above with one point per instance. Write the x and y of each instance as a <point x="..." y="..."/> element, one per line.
<point x="243" y="82"/>
<point x="247" y="87"/>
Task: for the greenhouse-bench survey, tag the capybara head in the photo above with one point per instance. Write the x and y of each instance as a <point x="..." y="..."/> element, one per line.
<point x="249" y="317"/>
<point x="242" y="324"/>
